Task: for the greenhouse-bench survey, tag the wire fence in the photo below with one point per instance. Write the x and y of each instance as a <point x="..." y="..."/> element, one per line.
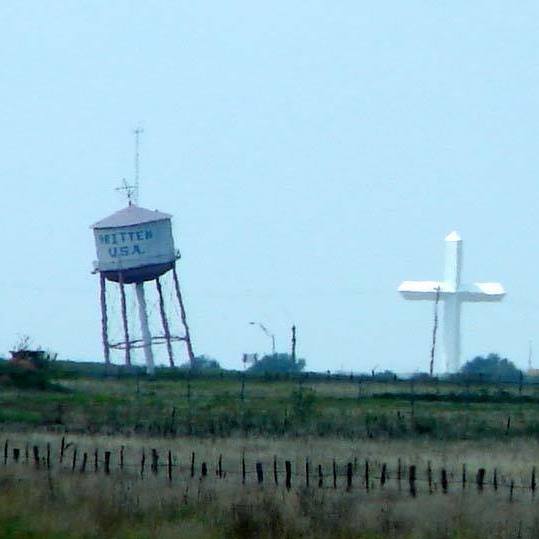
<point x="366" y="475"/>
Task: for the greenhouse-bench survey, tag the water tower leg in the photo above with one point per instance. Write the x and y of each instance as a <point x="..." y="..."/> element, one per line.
<point x="145" y="329"/>
<point x="104" y="318"/>
<point x="164" y="320"/>
<point x="124" y="319"/>
<point x="187" y="337"/>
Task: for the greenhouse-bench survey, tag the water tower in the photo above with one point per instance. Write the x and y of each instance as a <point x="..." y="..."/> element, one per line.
<point x="135" y="246"/>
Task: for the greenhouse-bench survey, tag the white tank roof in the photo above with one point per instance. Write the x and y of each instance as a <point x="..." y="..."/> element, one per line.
<point x="132" y="215"/>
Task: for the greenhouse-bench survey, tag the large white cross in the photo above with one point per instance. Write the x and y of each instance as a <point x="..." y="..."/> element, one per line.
<point x="453" y="294"/>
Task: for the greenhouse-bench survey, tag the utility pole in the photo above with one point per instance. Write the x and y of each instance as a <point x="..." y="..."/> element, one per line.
<point x="293" y="344"/>
<point x="434" y="331"/>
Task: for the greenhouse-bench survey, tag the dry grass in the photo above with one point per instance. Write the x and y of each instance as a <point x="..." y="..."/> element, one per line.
<point x="57" y="503"/>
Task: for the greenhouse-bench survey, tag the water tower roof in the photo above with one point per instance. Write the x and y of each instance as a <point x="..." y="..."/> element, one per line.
<point x="132" y="215"/>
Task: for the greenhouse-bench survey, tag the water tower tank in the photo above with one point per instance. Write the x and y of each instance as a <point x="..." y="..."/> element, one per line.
<point x="136" y="243"/>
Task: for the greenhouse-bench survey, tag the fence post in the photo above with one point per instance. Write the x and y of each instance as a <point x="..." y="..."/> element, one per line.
<point x="142" y="463"/>
<point x="480" y="478"/>
<point x="463" y="476"/>
<point x="307" y="478"/>
<point x="96" y="460"/>
<point x="399" y="472"/>
<point x="349" y="472"/>
<point x="193" y="464"/>
<point x="334" y="474"/>
<point x="5" y="451"/>
<point x="288" y="474"/>
<point x="122" y="458"/>
<point x="204" y="470"/>
<point x="84" y="460"/>
<point x="411" y="480"/>
<point x="48" y="455"/>
<point x="107" y="462"/>
<point x="320" y="476"/>
<point x="429" y="476"/>
<point x="16" y="453"/>
<point x="169" y="465"/>
<point x="511" y="488"/>
<point x="35" y="450"/>
<point x="533" y="483"/>
<point x="62" y="449"/>
<point x="259" y="473"/>
<point x="155" y="461"/>
<point x="220" y="467"/>
<point x="74" y="461"/>
<point x="243" y="469"/>
<point x="383" y="474"/>
<point x="367" y="480"/>
<point x="444" y="481"/>
<point x="495" y="480"/>
<point x="275" y="476"/>
<point x="26" y="452"/>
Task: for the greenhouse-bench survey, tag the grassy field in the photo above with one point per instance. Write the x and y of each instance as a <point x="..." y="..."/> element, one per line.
<point x="310" y="421"/>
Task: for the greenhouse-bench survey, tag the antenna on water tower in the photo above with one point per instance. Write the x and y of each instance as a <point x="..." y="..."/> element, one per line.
<point x="137" y="132"/>
<point x="132" y="190"/>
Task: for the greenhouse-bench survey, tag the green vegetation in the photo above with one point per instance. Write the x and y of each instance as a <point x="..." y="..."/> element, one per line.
<point x="277" y="363"/>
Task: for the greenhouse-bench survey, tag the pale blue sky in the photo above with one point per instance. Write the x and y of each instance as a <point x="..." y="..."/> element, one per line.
<point x="314" y="154"/>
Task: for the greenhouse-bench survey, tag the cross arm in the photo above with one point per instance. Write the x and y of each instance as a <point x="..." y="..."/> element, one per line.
<point x="422" y="290"/>
<point x="482" y="292"/>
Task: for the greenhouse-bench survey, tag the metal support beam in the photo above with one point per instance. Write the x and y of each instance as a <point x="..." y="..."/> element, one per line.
<point x="104" y="318"/>
<point x="145" y="328"/>
<point x="124" y="319"/>
<point x="187" y="337"/>
<point x="166" y="328"/>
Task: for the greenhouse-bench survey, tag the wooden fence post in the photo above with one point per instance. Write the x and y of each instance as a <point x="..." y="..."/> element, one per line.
<point x="220" y="467"/>
<point x="480" y="478"/>
<point x="367" y="480"/>
<point x="444" y="481"/>
<point x="74" y="461"/>
<point x="275" y="475"/>
<point x="383" y="474"/>
<point x="320" y="476"/>
<point x="259" y="473"/>
<point x="495" y="480"/>
<point x="16" y="453"/>
<point x="169" y="465"/>
<point x="26" y="452"/>
<point x="62" y="449"/>
<point x="243" y="469"/>
<point x="35" y="450"/>
<point x="84" y="461"/>
<point x="48" y="456"/>
<point x="204" y="470"/>
<point x="411" y="480"/>
<point x="142" y="463"/>
<point x="193" y="464"/>
<point x="511" y="488"/>
<point x="307" y="478"/>
<point x="96" y="460"/>
<point x="5" y="451"/>
<point x="122" y="458"/>
<point x="429" y="476"/>
<point x="107" y="462"/>
<point x="349" y="472"/>
<point x="334" y="474"/>
<point x="463" y="476"/>
<point x="155" y="461"/>
<point x="533" y="483"/>
<point x="288" y="474"/>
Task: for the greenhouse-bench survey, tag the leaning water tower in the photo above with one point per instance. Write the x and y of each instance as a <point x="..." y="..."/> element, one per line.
<point x="135" y="246"/>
